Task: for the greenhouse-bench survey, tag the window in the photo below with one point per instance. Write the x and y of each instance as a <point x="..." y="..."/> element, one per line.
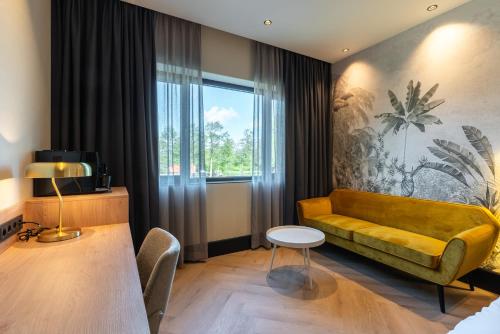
<point x="228" y="129"/>
<point x="228" y="113"/>
<point x="179" y="141"/>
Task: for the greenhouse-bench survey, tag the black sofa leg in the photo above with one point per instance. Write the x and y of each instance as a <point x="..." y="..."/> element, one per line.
<point x="471" y="286"/>
<point x="440" y="289"/>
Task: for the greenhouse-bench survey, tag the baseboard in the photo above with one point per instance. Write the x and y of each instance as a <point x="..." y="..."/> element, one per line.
<point x="226" y="246"/>
<point x="483" y="279"/>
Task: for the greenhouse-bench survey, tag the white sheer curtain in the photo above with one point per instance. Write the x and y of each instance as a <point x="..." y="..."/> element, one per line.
<point x="181" y="135"/>
<point x="268" y="175"/>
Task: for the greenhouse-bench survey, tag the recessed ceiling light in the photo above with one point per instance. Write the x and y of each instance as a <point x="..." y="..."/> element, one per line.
<point x="432" y="7"/>
<point x="268" y="22"/>
<point x="345" y="50"/>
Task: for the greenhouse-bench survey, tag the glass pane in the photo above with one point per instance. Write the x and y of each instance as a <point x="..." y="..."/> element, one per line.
<point x="169" y="96"/>
<point x="228" y="131"/>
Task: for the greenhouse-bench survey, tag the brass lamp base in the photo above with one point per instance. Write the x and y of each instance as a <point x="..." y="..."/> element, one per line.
<point x="54" y="235"/>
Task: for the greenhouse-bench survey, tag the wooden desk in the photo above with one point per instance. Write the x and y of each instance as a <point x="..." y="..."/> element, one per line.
<point x="84" y="285"/>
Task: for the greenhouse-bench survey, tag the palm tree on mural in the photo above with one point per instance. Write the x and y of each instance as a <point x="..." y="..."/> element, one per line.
<point x="416" y="112"/>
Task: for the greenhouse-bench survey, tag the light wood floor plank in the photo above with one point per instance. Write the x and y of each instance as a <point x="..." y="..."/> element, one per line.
<point x="233" y="294"/>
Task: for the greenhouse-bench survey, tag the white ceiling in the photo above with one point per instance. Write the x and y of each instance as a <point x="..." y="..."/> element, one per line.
<point x="317" y="28"/>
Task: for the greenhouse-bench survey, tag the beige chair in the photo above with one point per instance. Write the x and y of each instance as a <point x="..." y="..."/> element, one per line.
<point x="157" y="260"/>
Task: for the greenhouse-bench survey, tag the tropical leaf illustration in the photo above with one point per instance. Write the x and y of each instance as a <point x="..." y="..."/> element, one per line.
<point x="463" y="154"/>
<point x="428" y="107"/>
<point x="452" y="160"/>
<point x="396" y="104"/>
<point x="339" y="103"/>
<point x="392" y="122"/>
<point x="447" y="169"/>
<point x="414" y="112"/>
<point x="427" y="96"/>
<point x="460" y="162"/>
<point x="482" y="146"/>
<point x="355" y="101"/>
<point x="490" y="200"/>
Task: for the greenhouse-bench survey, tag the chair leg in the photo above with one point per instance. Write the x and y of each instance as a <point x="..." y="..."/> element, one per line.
<point x="440" y="289"/>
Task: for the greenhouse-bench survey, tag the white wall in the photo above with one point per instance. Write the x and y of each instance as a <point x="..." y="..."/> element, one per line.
<point x="228" y="210"/>
<point x="226" y="54"/>
<point x="24" y="92"/>
<point x="228" y="204"/>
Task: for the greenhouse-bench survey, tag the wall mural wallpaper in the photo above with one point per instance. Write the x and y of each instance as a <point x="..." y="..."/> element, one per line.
<point x="361" y="161"/>
<point x="419" y="114"/>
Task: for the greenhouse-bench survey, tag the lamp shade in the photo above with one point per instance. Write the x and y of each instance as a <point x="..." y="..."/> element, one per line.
<point x="47" y="170"/>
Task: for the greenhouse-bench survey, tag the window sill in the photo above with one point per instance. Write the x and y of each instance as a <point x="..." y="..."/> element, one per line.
<point x="230" y="179"/>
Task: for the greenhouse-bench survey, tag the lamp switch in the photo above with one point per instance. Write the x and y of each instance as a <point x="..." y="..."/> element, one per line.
<point x="10" y="227"/>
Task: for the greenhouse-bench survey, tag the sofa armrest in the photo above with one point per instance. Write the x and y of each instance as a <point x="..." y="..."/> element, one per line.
<point x="472" y="247"/>
<point x="313" y="207"/>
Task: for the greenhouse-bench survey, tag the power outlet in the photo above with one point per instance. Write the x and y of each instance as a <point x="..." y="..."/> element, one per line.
<point x="10" y="227"/>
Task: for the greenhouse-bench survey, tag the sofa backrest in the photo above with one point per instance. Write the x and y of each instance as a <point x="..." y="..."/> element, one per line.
<point x="439" y="220"/>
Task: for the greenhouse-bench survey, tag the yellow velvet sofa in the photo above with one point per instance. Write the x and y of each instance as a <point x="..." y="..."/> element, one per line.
<point x="436" y="241"/>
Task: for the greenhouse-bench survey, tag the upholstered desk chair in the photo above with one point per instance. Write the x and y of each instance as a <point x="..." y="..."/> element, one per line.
<point x="157" y="260"/>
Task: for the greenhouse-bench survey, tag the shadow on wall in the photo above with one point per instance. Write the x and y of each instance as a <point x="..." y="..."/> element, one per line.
<point x="13" y="168"/>
<point x="39" y="12"/>
<point x="5" y="171"/>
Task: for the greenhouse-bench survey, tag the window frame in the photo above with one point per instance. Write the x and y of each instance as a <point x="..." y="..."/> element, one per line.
<point x="236" y="87"/>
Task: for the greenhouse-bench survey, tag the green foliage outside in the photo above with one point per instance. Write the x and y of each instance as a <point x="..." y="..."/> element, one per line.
<point x="223" y="157"/>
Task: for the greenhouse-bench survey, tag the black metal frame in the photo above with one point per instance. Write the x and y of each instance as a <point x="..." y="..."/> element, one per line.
<point x="227" y="85"/>
<point x="440" y="291"/>
<point x="229" y="179"/>
<point x="484" y="279"/>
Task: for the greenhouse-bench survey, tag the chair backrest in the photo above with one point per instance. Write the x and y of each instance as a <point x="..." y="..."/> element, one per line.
<point x="440" y="220"/>
<point x="156" y="261"/>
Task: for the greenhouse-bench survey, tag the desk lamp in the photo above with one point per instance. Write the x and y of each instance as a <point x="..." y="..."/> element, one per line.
<point x="55" y="170"/>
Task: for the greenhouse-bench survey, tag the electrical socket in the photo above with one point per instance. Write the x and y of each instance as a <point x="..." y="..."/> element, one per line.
<point x="10" y="227"/>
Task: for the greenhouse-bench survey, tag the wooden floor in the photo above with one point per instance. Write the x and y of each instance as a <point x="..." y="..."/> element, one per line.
<point x="233" y="294"/>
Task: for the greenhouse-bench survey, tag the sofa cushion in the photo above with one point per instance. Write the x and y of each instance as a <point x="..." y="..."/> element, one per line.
<point x="410" y="246"/>
<point x="338" y="225"/>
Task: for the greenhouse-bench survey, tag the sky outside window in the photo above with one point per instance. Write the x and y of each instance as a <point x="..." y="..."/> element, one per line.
<point x="232" y="108"/>
<point x="228" y="131"/>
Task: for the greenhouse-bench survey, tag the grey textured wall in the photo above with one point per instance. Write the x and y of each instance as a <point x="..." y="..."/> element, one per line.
<point x="419" y="114"/>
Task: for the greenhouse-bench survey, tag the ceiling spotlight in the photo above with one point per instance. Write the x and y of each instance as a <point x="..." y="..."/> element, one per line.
<point x="268" y="22"/>
<point x="432" y="7"/>
<point x="345" y="50"/>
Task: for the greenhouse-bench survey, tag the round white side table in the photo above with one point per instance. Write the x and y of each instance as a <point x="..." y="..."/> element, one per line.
<point x="293" y="236"/>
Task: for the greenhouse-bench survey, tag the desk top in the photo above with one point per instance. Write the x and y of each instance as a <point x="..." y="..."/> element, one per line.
<point x="84" y="285"/>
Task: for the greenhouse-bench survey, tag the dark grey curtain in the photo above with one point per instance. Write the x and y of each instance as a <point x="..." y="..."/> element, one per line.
<point x="308" y="166"/>
<point x="104" y="95"/>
